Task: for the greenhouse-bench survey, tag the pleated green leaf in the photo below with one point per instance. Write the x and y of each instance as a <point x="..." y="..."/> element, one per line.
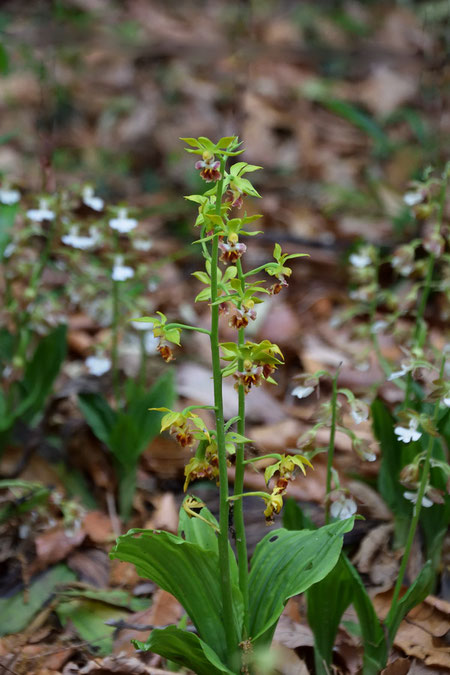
<point x="187" y="571"/>
<point x="285" y="563"/>
<point x="415" y="594"/>
<point x="184" y="648"/>
<point x="327" y="601"/>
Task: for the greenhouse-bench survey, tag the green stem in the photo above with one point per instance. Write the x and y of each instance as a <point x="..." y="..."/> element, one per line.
<point x="331" y="445"/>
<point x="115" y="342"/>
<point x="415" y="519"/>
<point x="239" y="523"/>
<point x="143" y="364"/>
<point x="23" y="327"/>
<point x="224" y="553"/>
<point x="372" y="312"/>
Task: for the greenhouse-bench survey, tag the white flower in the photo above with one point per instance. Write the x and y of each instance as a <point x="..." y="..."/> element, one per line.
<point x="120" y="271"/>
<point x="9" y="196"/>
<point x="9" y="250"/>
<point x="122" y="223"/>
<point x="369" y="456"/>
<point x="408" y="434"/>
<point x="343" y="508"/>
<point x="404" y="268"/>
<point x="42" y="213"/>
<point x="152" y="285"/>
<point x="98" y="365"/>
<point x="142" y="244"/>
<point x="151" y="343"/>
<point x="302" y="392"/>
<point x="360" y="260"/>
<point x="378" y="326"/>
<point x="412" y="497"/>
<point x="412" y="198"/>
<point x="359" y="416"/>
<point x="399" y="373"/>
<point x="359" y="294"/>
<point x="88" y="197"/>
<point x="446" y="401"/>
<point x="142" y="325"/>
<point x="82" y="242"/>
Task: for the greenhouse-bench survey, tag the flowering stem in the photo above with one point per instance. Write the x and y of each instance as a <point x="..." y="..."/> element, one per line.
<point x="331" y="445"/>
<point x="415" y="519"/>
<point x="372" y="311"/>
<point x="143" y="366"/>
<point x="115" y="342"/>
<point x="239" y="523"/>
<point x="224" y="562"/>
<point x="420" y="331"/>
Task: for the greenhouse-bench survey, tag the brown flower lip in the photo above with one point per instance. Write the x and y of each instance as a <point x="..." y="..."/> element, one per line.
<point x="209" y="169"/>
<point x="231" y="251"/>
<point x="166" y="352"/>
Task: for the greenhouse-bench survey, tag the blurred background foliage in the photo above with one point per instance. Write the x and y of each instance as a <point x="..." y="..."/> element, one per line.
<point x="341" y="101"/>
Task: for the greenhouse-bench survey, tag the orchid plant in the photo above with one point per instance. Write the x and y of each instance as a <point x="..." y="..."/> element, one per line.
<point x="33" y="334"/>
<point x="414" y="478"/>
<point x="233" y="608"/>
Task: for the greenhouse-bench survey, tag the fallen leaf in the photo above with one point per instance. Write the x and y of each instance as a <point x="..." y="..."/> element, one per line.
<point x="276" y="437"/>
<point x="55" y="545"/>
<point x="165" y="515"/>
<point x="91" y="566"/>
<point x="397" y="667"/>
<point x="97" y="525"/>
<point x="195" y="382"/>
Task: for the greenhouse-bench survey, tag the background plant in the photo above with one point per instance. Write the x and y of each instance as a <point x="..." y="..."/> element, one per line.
<point x="413" y="441"/>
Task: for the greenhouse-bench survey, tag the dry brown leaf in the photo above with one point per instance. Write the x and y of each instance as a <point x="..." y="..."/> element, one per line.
<point x="422" y="634"/>
<point x="370" y="546"/>
<point x="165" y="515"/>
<point x="165" y="458"/>
<point x="276" y="437"/>
<point x="165" y="610"/>
<point x="91" y="566"/>
<point x="292" y="634"/>
<point x="55" y="545"/>
<point x="79" y="342"/>
<point x="195" y="382"/>
<point x="372" y="504"/>
<point x="121" y="664"/>
<point x="386" y="89"/>
<point x="397" y="667"/>
<point x="98" y="527"/>
<point x="123" y="574"/>
<point x="376" y="559"/>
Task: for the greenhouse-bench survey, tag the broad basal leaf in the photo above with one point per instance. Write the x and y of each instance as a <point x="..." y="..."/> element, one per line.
<point x="327" y="601"/>
<point x="197" y="531"/>
<point x="374" y="639"/>
<point x="40" y="373"/>
<point x="188" y="572"/>
<point x="392" y="460"/>
<point x="417" y="592"/>
<point x="98" y="414"/>
<point x="16" y="611"/>
<point x="185" y="648"/>
<point x="286" y="563"/>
